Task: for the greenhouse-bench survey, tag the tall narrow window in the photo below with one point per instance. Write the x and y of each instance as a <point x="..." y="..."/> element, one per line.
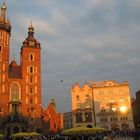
<point x="0" y="49"/>
<point x="31" y="69"/>
<point x="31" y="57"/>
<point x="31" y="101"/>
<point x="3" y="77"/>
<point x="3" y="67"/>
<point x="31" y="90"/>
<point x="26" y="89"/>
<point x="7" y="39"/>
<point x="77" y="98"/>
<point x="31" y="79"/>
<point x="35" y="100"/>
<point x="35" y="89"/>
<point x="3" y="88"/>
<point x="0" y="36"/>
<point x="15" y="92"/>
<point x="35" y="79"/>
<point x="26" y="100"/>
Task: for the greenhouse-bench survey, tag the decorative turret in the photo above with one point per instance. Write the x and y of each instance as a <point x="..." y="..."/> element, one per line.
<point x="53" y="103"/>
<point x="4" y="23"/>
<point x="31" y="41"/>
<point x="31" y="30"/>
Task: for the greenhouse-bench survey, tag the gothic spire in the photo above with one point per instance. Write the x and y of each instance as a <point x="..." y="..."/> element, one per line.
<point x="3" y="11"/>
<point x="31" y="30"/>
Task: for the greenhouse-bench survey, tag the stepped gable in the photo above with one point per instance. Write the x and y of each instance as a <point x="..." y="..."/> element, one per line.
<point x="14" y="70"/>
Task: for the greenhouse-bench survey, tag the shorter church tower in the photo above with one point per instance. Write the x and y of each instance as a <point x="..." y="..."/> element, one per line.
<point x="31" y="84"/>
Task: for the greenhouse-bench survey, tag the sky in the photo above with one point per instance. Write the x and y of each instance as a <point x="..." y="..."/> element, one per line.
<point x="81" y="40"/>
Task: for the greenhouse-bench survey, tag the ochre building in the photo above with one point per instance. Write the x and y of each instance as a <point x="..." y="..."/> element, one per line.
<point x="103" y="104"/>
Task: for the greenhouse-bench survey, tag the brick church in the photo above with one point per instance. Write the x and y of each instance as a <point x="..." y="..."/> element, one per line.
<point x="20" y="85"/>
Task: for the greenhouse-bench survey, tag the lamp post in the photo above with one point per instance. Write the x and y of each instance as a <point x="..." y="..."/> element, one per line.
<point x="93" y="105"/>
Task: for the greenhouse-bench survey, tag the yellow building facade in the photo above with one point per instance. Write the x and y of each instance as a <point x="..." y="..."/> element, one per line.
<point x="108" y="104"/>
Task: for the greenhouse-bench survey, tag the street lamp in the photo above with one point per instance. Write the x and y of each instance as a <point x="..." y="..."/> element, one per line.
<point x="94" y="115"/>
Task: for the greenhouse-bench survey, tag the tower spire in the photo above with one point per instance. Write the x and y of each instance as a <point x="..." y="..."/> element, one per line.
<point x="31" y="29"/>
<point x="3" y="11"/>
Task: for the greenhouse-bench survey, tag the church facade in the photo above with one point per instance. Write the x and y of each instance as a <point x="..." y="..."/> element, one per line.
<point x="20" y="85"/>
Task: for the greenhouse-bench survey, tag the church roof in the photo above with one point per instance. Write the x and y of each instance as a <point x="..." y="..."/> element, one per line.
<point x="14" y="70"/>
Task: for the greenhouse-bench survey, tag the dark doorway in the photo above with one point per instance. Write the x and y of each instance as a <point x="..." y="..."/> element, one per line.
<point x="15" y="129"/>
<point x="8" y="131"/>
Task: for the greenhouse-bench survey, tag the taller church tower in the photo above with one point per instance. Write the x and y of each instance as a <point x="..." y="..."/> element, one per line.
<point x="20" y="85"/>
<point x="5" y="32"/>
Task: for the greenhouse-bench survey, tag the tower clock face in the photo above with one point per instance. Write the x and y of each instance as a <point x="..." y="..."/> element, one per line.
<point x="31" y="43"/>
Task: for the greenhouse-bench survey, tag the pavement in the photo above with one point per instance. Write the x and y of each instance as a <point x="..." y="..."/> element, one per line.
<point x="128" y="138"/>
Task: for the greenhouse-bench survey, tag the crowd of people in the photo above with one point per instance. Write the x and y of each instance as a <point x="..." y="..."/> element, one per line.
<point x="109" y="135"/>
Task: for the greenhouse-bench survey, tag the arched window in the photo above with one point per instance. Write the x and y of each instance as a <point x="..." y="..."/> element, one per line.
<point x="87" y="97"/>
<point x="77" y="98"/>
<point x="31" y="69"/>
<point x="31" y="57"/>
<point x="15" y="91"/>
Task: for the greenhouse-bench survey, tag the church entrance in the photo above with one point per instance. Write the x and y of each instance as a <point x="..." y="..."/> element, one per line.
<point x="15" y="130"/>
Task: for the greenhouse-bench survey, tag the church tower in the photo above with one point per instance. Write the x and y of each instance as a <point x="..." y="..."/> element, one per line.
<point x="31" y="77"/>
<point x="5" y="32"/>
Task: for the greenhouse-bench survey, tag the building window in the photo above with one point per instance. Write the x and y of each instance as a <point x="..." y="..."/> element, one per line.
<point x="87" y="105"/>
<point x="35" y="100"/>
<point x="79" y="118"/>
<point x="77" y="98"/>
<point x="3" y="88"/>
<point x="36" y="70"/>
<point x="3" y="67"/>
<point x="15" y="92"/>
<point x="31" y="69"/>
<point x="26" y="89"/>
<point x="31" y="101"/>
<point x="31" y="79"/>
<point x="113" y="119"/>
<point x="26" y="100"/>
<point x="0" y="49"/>
<point x="35" y="79"/>
<point x="3" y="78"/>
<point x="78" y="106"/>
<point x="26" y="79"/>
<point x="32" y="119"/>
<point x="31" y="57"/>
<point x="87" y="98"/>
<point x="104" y="120"/>
<point x="35" y="89"/>
<point x="88" y="117"/>
<point x="7" y="39"/>
<point x="31" y="90"/>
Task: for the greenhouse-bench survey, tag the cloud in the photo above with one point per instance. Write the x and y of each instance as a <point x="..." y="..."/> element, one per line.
<point x="81" y="40"/>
